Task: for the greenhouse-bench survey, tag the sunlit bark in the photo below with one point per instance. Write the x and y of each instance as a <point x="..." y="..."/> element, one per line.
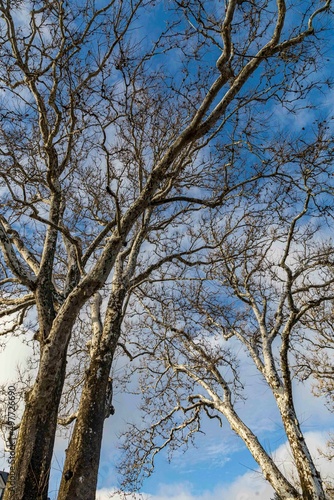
<point x="94" y="137"/>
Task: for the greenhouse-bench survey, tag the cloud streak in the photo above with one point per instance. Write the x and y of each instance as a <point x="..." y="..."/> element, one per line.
<point x="248" y="486"/>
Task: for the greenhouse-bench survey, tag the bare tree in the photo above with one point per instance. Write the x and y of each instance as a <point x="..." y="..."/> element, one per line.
<point x="267" y="271"/>
<point x="56" y="75"/>
<point x="99" y="132"/>
<point x="315" y="360"/>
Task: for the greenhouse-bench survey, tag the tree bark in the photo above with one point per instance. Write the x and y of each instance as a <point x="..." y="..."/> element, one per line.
<point x="309" y="476"/>
<point x="29" y="476"/>
<point x="29" y="473"/>
<point x="33" y="453"/>
<point x="269" y="469"/>
<point x="80" y="471"/>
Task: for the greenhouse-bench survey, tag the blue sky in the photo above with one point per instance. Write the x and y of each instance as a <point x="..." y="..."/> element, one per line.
<point x="220" y="466"/>
<point x="226" y="483"/>
<point x="220" y="463"/>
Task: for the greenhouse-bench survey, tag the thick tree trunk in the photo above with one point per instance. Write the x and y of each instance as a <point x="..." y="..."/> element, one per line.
<point x="30" y="469"/>
<point x="29" y="476"/>
<point x="269" y="469"/>
<point x="309" y="476"/>
<point x="80" y="471"/>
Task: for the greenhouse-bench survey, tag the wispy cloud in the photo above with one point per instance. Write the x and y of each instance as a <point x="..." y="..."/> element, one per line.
<point x="248" y="486"/>
<point x="14" y="354"/>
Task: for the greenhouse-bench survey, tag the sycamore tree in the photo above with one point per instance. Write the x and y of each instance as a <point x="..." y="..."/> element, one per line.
<point x="120" y="122"/>
<point x="315" y="363"/>
<point x="261" y="285"/>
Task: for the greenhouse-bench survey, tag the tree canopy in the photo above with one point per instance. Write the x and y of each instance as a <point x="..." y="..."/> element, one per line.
<point x="166" y="189"/>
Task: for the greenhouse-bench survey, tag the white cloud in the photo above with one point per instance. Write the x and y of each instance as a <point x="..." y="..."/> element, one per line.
<point x="249" y="486"/>
<point x="108" y="493"/>
<point x="15" y="353"/>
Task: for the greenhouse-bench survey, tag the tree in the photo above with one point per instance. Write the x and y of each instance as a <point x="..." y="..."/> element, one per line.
<point x="316" y="361"/>
<point x="100" y="136"/>
<point x="265" y="283"/>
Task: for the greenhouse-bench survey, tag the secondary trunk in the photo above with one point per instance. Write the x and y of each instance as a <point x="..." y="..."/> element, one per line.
<point x="269" y="469"/>
<point x="309" y="476"/>
<point x="80" y="471"/>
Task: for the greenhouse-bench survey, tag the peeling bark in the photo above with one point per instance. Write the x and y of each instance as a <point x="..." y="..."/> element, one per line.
<point x="270" y="471"/>
<point x="80" y="471"/>
<point x="309" y="476"/>
<point x="29" y="476"/>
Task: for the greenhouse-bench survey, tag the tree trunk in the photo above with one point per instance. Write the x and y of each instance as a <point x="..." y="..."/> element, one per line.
<point x="80" y="471"/>
<point x="309" y="477"/>
<point x="29" y="475"/>
<point x="269" y="469"/>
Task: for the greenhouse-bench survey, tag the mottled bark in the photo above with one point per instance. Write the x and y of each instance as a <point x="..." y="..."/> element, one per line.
<point x="269" y="469"/>
<point x="83" y="454"/>
<point x="309" y="477"/>
<point x="30" y="471"/>
<point x="33" y="451"/>
<point x="80" y="471"/>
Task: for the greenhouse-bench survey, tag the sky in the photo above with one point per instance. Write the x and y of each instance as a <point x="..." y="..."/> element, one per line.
<point x="219" y="467"/>
<point x="246" y="485"/>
